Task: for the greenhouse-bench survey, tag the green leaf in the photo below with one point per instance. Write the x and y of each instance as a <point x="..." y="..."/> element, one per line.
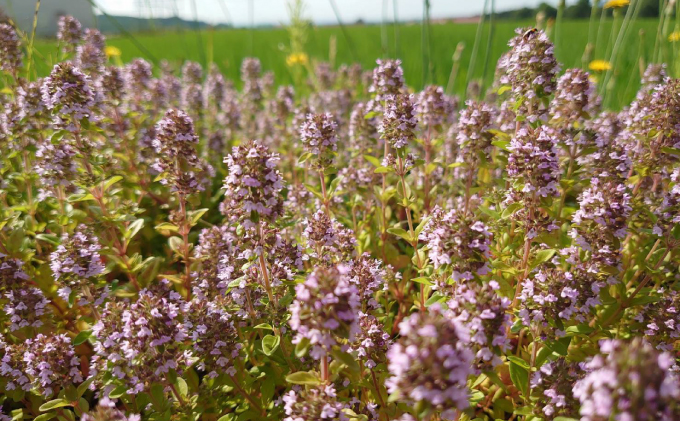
<point x="16" y="240"/>
<point x="143" y="264"/>
<point x="334" y="185"/>
<point x="182" y="387"/>
<point x="430" y="167"/>
<point x="134" y="228"/>
<point x="192" y="379"/>
<point x="542" y="356"/>
<point x="111" y="181"/>
<point x="503" y="89"/>
<point x="422" y="256"/>
<point x="399" y="232"/>
<point x="346" y="359"/>
<point x="672" y="151"/>
<point x="373" y="160"/>
<point x="45" y="417"/>
<point x="48" y="238"/>
<point x="166" y="226"/>
<point x="249" y="415"/>
<point x="56" y="136"/>
<point x="560" y="346"/>
<point x="83" y="407"/>
<point x="82" y="337"/>
<point x="423" y="280"/>
<point x="353" y="416"/>
<point x="520" y="377"/>
<point x="510" y="210"/>
<point x="314" y="191"/>
<point x="435" y="298"/>
<point x="53" y="404"/>
<point x="383" y="170"/>
<point x="504" y="405"/>
<point x="82" y="387"/>
<point x="176" y="244"/>
<point x="303" y="377"/>
<point x="270" y="344"/>
<point x="195" y="216"/>
<point x="264" y="326"/>
<point x="304" y="157"/>
<point x="302" y="347"/>
<point x="501" y="144"/>
<point x="118" y="392"/>
<point x="542" y="256"/>
<point x="157" y="396"/>
<point x="456" y="165"/>
<point x="582" y="329"/>
<point x="643" y="299"/>
<point x="80" y="197"/>
<point x="525" y="410"/>
<point x="564" y="419"/>
<point x="520" y="362"/>
<point x="422" y="225"/>
<point x="495" y="379"/>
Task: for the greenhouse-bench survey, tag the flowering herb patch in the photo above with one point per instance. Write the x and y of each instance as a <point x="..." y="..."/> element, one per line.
<point x="175" y="248"/>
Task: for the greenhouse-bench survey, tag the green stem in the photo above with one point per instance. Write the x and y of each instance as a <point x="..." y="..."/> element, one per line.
<point x="184" y="231"/>
<point x="626" y="303"/>
<point x="247" y="396"/>
<point x="263" y="270"/>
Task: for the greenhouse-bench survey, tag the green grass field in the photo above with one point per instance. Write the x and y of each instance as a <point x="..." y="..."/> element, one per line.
<point x="228" y="47"/>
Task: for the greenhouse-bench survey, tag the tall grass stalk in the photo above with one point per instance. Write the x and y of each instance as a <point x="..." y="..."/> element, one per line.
<point x="475" y="47"/>
<point x="455" y="67"/>
<point x="663" y="4"/>
<point x="426" y="43"/>
<point x="633" y="74"/>
<point x="210" y="46"/>
<point x="668" y="11"/>
<point x="395" y="24"/>
<point x="558" y="22"/>
<point x="615" y="31"/>
<point x="199" y="38"/>
<point x="674" y="55"/>
<point x="384" y="38"/>
<point x="600" y="31"/>
<point x="251" y="22"/>
<point x="590" y="46"/>
<point x="631" y="15"/>
<point x="489" y="44"/>
<point x="29" y="55"/>
<point x="298" y="33"/>
<point x="343" y="28"/>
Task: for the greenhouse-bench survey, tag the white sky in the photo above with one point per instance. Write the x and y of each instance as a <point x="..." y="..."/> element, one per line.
<point x="320" y="11"/>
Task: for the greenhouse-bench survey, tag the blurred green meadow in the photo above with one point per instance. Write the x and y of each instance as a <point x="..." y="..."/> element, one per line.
<point x="423" y="62"/>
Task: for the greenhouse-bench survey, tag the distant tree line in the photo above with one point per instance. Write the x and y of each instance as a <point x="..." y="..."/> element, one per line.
<point x="579" y="10"/>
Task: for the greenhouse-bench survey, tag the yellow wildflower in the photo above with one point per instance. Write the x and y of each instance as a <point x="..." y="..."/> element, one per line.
<point x="599" y="65"/>
<point x="297" y="58"/>
<point x="112" y="51"/>
<point x="616" y="4"/>
<point x="674" y="37"/>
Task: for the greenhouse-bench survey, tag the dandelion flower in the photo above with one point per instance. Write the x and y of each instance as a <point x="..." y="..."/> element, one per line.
<point x="616" y="4"/>
<point x="297" y="58"/>
<point x="599" y="65"/>
<point x="112" y="51"/>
